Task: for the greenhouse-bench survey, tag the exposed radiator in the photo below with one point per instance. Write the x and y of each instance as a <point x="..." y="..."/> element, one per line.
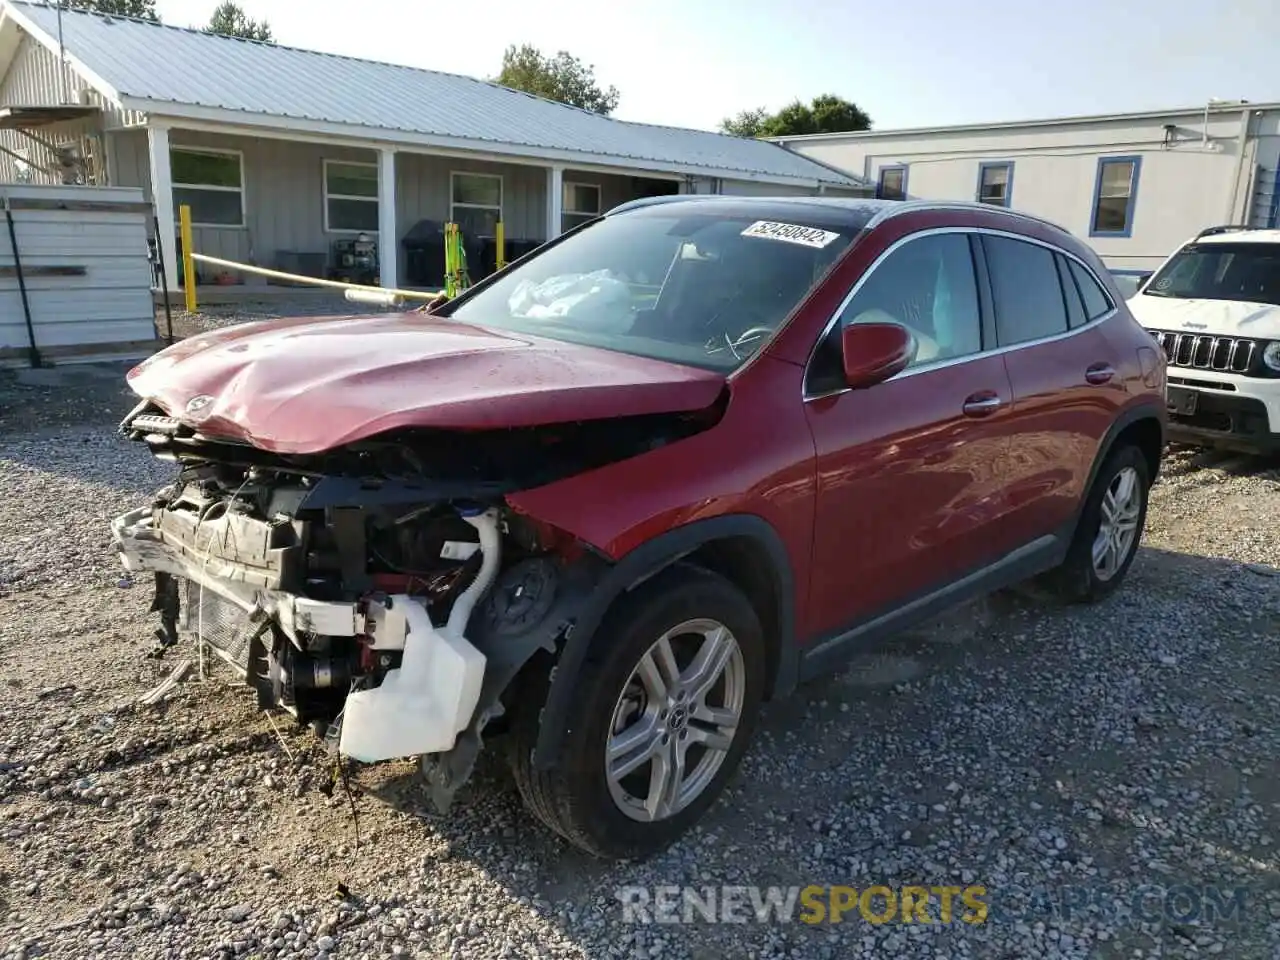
<point x="223" y="625"/>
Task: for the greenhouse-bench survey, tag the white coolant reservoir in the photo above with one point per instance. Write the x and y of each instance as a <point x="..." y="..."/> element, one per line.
<point x="424" y="704"/>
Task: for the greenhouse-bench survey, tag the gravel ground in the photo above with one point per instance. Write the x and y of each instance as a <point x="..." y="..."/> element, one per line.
<point x="1077" y="763"/>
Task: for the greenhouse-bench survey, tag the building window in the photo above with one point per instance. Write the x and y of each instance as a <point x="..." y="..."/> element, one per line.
<point x="1114" y="195"/>
<point x="995" y="183"/>
<point x="211" y="183"/>
<point x="350" y="197"/>
<point x="476" y="203"/>
<point x="581" y="203"/>
<point x="893" y="183"/>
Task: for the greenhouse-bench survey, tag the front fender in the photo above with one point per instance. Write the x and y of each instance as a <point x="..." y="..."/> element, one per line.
<point x="635" y="568"/>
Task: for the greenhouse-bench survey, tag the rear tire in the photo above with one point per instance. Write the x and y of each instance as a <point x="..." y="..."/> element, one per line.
<point x="632" y="700"/>
<point x="1109" y="532"/>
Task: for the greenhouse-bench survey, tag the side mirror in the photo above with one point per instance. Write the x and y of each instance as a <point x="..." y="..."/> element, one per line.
<point x="874" y="352"/>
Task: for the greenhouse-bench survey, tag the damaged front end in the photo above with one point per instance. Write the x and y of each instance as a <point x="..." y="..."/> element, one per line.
<point x="383" y="592"/>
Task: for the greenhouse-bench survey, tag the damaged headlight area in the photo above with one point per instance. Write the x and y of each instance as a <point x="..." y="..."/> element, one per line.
<point x="382" y="592"/>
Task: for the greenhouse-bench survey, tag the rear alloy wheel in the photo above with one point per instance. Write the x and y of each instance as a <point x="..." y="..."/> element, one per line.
<point x="1109" y="532"/>
<point x="665" y="706"/>
<point x="1121" y="511"/>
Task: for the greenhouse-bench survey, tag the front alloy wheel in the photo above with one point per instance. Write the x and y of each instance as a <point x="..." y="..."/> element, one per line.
<point x="659" y="715"/>
<point x="675" y="721"/>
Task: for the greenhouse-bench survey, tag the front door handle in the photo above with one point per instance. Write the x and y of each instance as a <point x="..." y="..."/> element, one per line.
<point x="982" y="405"/>
<point x="1100" y="373"/>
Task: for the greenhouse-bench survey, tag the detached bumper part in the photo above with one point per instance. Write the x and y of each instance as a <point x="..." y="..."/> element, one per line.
<point x="421" y="706"/>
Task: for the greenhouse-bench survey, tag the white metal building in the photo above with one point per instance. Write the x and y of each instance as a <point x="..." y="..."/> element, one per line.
<point x="75" y="283"/>
<point x="1136" y="185"/>
<point x="280" y="152"/>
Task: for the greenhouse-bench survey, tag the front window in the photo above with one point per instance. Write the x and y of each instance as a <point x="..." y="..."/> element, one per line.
<point x="581" y="203"/>
<point x="1221" y="271"/>
<point x="476" y="203"/>
<point x="350" y="197"/>
<point x="211" y="183"/>
<point x="678" y="283"/>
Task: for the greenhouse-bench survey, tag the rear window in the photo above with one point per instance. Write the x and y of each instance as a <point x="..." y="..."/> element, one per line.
<point x="1028" y="295"/>
<point x="1248" y="272"/>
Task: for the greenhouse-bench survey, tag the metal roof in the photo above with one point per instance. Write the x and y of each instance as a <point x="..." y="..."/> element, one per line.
<point x="142" y="61"/>
<point x="1218" y="108"/>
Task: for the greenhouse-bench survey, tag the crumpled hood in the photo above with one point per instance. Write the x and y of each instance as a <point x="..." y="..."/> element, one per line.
<point x="309" y="385"/>
<point x="1230" y="318"/>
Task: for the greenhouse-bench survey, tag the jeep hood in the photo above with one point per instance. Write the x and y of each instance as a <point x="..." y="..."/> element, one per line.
<point x="1230" y="318"/>
<point x="309" y="385"/>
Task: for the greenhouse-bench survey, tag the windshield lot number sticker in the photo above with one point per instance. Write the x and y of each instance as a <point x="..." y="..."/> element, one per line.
<point x="790" y="233"/>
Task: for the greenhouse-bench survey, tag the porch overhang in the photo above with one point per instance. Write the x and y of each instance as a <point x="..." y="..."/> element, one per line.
<point x="233" y="122"/>
<point x="35" y="117"/>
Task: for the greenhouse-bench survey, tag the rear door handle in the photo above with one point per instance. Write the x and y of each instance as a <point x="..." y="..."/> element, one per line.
<point x="982" y="405"/>
<point x="1100" y="373"/>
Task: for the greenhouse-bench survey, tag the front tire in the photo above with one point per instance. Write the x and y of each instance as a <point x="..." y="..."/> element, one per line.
<point x="666" y="704"/>
<point x="1110" y="529"/>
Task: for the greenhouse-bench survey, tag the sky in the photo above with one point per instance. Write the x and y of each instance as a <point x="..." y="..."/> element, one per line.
<point x="908" y="63"/>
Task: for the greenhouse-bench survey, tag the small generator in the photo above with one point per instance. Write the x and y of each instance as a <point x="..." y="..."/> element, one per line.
<point x="355" y="260"/>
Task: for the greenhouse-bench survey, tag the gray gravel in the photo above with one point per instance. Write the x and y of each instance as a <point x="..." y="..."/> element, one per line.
<point x="1086" y="756"/>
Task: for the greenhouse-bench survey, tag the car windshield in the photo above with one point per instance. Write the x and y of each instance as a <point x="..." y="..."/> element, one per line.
<point x="679" y="282"/>
<point x="1221" y="271"/>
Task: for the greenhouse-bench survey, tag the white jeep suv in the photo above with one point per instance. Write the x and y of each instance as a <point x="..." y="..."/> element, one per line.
<point x="1215" y="308"/>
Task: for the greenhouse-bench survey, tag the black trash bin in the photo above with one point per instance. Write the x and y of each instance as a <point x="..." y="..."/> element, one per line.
<point x="486" y="258"/>
<point x="518" y="248"/>
<point x="424" y="254"/>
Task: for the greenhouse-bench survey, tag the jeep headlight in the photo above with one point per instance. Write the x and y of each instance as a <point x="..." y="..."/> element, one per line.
<point x="1271" y="356"/>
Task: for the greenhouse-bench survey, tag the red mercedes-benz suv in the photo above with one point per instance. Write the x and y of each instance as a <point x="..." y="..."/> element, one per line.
<point x="603" y="504"/>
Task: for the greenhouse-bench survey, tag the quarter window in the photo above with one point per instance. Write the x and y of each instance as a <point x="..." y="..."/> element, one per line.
<point x="1114" y="196"/>
<point x="1096" y="301"/>
<point x="995" y="181"/>
<point x="476" y="203"/>
<point x="581" y="203"/>
<point x="211" y="183"/>
<point x="1070" y="293"/>
<point x="350" y="196"/>
<point x="1026" y="292"/>
<point x="928" y="286"/>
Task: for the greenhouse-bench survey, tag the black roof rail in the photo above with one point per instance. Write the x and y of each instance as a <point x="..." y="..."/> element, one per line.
<point x="1225" y="228"/>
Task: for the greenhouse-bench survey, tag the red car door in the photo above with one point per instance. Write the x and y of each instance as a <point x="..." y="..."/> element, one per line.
<point x="910" y="484"/>
<point x="1066" y="388"/>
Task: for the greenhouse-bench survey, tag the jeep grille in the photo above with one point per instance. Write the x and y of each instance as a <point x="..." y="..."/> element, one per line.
<point x="1204" y="352"/>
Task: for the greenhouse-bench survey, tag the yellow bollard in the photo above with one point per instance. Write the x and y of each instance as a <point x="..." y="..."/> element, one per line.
<point x="502" y="247"/>
<point x="188" y="265"/>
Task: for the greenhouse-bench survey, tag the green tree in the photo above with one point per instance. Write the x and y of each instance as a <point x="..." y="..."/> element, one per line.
<point x="827" y="113"/>
<point x="141" y="9"/>
<point x="748" y="123"/>
<point x="229" y="20"/>
<point x="563" y="77"/>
